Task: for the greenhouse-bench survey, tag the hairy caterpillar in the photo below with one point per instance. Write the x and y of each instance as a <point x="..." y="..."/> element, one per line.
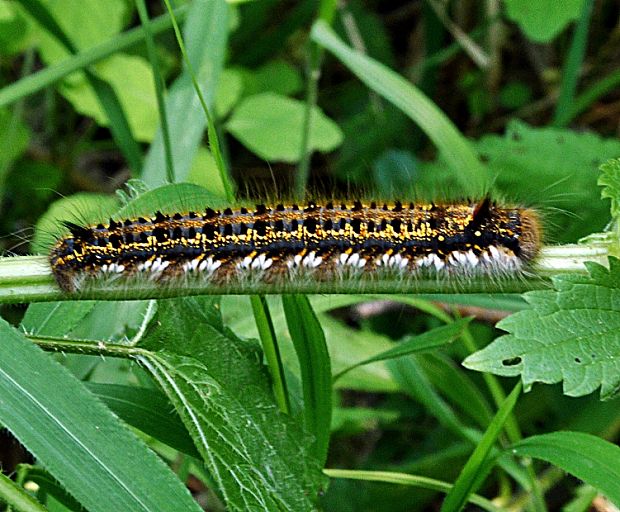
<point x="284" y="242"/>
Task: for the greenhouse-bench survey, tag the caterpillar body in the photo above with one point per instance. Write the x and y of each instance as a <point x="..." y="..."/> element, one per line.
<point x="284" y="242"/>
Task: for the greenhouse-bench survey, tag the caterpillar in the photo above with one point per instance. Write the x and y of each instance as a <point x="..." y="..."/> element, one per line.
<point x="283" y="242"/>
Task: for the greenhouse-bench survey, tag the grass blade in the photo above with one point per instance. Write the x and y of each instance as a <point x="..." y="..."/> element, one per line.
<point x="572" y="68"/>
<point x="52" y="74"/>
<point x="214" y="143"/>
<point x="473" y="472"/>
<point x="427" y="341"/>
<point x="453" y="146"/>
<point x="205" y="35"/>
<point x="309" y="341"/>
<point x="422" y="482"/>
<point x="268" y="339"/>
<point x="589" y="458"/>
<point x="159" y="86"/>
<point x="76" y="438"/>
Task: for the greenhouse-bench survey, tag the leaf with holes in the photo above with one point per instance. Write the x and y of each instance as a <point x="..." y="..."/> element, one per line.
<point x="570" y="334"/>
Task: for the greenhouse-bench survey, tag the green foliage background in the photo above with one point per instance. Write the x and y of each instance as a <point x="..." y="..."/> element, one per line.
<point x="338" y="403"/>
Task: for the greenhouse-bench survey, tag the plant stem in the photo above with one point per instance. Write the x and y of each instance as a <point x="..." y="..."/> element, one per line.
<point x="272" y="352"/>
<point x="327" y="10"/>
<point x="572" y="68"/>
<point x="29" y="279"/>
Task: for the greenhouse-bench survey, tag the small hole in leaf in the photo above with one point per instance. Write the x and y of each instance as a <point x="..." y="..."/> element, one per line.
<point x="513" y="361"/>
<point x="593" y="356"/>
<point x="577" y="360"/>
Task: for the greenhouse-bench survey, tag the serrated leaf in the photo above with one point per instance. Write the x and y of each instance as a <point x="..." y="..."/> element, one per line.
<point x="571" y="334"/>
<point x="610" y="181"/>
<point x="271" y="125"/>
<point x="76" y="438"/>
<point x="257" y="456"/>
<point x="542" y="20"/>
<point x="589" y="458"/>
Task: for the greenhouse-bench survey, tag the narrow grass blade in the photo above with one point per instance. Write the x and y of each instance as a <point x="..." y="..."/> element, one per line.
<point x="475" y="469"/>
<point x="589" y="458"/>
<point x="76" y="438"/>
<point x="52" y="74"/>
<point x="268" y="339"/>
<point x="119" y="125"/>
<point x="160" y="86"/>
<point x="427" y="341"/>
<point x="309" y="341"/>
<point x="572" y="67"/>
<point x="16" y="497"/>
<point x="205" y="35"/>
<point x="453" y="146"/>
<point x="422" y="482"/>
<point x="214" y="143"/>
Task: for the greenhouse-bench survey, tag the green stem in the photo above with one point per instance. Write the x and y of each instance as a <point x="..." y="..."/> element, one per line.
<point x="159" y="86"/>
<point x="85" y="347"/>
<point x="272" y="352"/>
<point x="29" y="279"/>
<point x="52" y="74"/>
<point x="211" y="129"/>
<point x="327" y="10"/>
<point x="406" y="479"/>
<point x="572" y="68"/>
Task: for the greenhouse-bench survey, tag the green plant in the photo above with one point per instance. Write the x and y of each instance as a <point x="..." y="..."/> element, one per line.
<point x="172" y="391"/>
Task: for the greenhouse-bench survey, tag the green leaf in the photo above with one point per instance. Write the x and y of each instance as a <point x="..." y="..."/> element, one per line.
<point x="314" y="362"/>
<point x="542" y="20"/>
<point x="589" y="458"/>
<point x="610" y="181"/>
<point x="570" y="334"/>
<point x="17" y="498"/>
<point x="205" y="35"/>
<point x="78" y="439"/>
<point x="81" y="208"/>
<point x="453" y="146"/>
<point x="428" y="340"/>
<point x="258" y="457"/>
<point x="129" y="77"/>
<point x="14" y="136"/>
<point x="275" y="76"/>
<point x="552" y="167"/>
<point x="474" y="471"/>
<point x="147" y="410"/>
<point x="270" y="125"/>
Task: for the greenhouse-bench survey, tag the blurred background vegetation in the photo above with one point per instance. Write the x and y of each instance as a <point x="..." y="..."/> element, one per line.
<point x="533" y="85"/>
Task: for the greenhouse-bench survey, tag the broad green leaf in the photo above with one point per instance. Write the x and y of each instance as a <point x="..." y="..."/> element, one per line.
<point x="131" y="78"/>
<point x="275" y="76"/>
<point x="542" y="20"/>
<point x="258" y="457"/>
<point x="205" y="35"/>
<point x="555" y="169"/>
<point x="147" y="410"/>
<point x="76" y="438"/>
<point x="204" y="173"/>
<point x="570" y="334"/>
<point x="271" y="126"/>
<point x="474" y="471"/>
<point x="14" y="135"/>
<point x="15" y="33"/>
<point x="81" y="208"/>
<point x="454" y="148"/>
<point x="610" y="181"/>
<point x="309" y="341"/>
<point x="589" y="458"/>
<point x="16" y="497"/>
<point x="428" y="340"/>
<point x="229" y="89"/>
